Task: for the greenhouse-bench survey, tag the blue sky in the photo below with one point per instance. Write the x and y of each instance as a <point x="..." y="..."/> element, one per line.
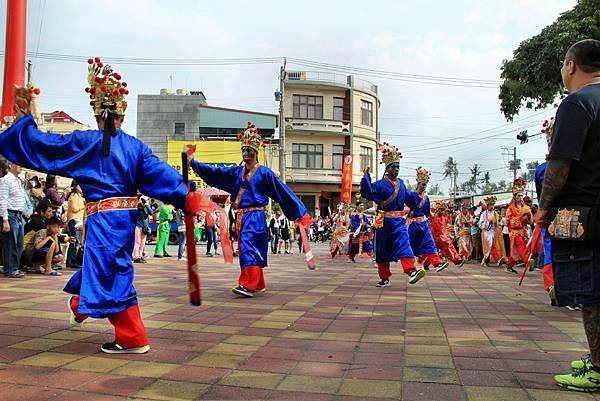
<point x="466" y="39"/>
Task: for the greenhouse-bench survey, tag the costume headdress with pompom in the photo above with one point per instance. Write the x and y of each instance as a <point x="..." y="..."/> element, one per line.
<point x="490" y="200"/>
<point x="389" y="154"/>
<point x="251" y="138"/>
<point x="423" y="175"/>
<point x="106" y="90"/>
<point x="519" y="186"/>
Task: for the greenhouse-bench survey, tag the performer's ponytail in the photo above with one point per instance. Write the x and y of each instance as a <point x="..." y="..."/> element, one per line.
<point x="108" y="115"/>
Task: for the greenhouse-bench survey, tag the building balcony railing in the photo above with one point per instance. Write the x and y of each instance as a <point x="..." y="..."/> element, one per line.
<point x="331" y="77"/>
<point x="314" y="175"/>
<point x="310" y="125"/>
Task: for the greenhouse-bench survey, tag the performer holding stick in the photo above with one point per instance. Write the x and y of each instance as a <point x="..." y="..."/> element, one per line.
<point x="110" y="167"/>
<point x="251" y="185"/>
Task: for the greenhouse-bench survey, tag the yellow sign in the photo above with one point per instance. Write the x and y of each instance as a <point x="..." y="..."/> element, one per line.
<point x="216" y="153"/>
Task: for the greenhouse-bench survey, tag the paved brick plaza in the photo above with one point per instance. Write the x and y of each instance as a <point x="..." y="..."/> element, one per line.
<point x="328" y="334"/>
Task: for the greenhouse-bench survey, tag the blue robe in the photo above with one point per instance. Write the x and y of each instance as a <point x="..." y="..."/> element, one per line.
<point x="539" y="181"/>
<point x="355" y="222"/>
<point x="105" y="283"/>
<point x="254" y="233"/>
<point x="421" y="239"/>
<point x="391" y="240"/>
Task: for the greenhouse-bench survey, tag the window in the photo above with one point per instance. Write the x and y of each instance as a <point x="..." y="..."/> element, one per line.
<point x="366" y="113"/>
<point x="180" y="129"/>
<point x="308" y="106"/>
<point x="338" y="108"/>
<point x="306" y="155"/>
<point x="366" y="157"/>
<point x="338" y="157"/>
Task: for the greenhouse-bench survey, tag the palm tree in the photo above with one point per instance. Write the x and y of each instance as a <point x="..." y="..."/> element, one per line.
<point x="451" y="170"/>
<point x="472" y="183"/>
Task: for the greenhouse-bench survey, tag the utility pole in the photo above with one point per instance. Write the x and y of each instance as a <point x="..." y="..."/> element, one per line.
<point x="282" y="122"/>
<point x="514" y="164"/>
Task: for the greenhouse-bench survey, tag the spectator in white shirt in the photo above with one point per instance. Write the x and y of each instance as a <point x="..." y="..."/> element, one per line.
<point x="12" y="208"/>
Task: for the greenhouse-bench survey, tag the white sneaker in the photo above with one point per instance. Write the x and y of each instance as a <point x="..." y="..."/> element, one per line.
<point x="416" y="275"/>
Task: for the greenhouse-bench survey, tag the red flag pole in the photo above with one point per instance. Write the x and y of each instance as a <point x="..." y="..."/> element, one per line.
<point x="192" y="261"/>
<point x="14" y="55"/>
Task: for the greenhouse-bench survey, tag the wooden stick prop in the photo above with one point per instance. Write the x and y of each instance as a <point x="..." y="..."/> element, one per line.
<point x="532" y="244"/>
<point x="192" y="264"/>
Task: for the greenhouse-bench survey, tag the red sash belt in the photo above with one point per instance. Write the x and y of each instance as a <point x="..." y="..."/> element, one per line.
<point x="117" y="203"/>
<point x="418" y="219"/>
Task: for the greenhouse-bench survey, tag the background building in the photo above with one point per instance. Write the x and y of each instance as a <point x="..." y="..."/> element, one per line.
<point x="168" y="122"/>
<point x="327" y="116"/>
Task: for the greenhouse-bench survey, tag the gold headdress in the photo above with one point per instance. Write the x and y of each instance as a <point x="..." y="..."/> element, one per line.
<point x="251" y="138"/>
<point x="389" y="154"/>
<point x="423" y="175"/>
<point x="519" y="186"/>
<point x="490" y="200"/>
<point x="105" y="88"/>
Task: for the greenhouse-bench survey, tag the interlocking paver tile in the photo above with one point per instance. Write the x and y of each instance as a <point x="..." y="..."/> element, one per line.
<point x="371" y="388"/>
<point x="49" y="359"/>
<point x="311" y="384"/>
<point x="560" y="395"/>
<point x="431" y="375"/>
<point x="41" y="344"/>
<point x="432" y="392"/>
<point x="253" y="379"/>
<point x="496" y="394"/>
<point x="96" y="364"/>
<point x="172" y="391"/>
<point x="145" y="369"/>
<point x="434" y="361"/>
<point x="217" y="360"/>
<point x="114" y="384"/>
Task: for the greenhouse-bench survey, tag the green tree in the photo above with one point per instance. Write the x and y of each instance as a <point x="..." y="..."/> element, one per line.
<point x="532" y="78"/>
<point x="451" y="170"/>
<point x="473" y="183"/>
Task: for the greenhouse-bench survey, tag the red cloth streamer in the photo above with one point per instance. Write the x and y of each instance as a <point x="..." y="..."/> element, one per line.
<point x="533" y="245"/>
<point x="311" y="263"/>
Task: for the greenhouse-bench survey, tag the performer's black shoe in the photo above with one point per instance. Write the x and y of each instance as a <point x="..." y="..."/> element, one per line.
<point x="167" y="255"/>
<point x="461" y="262"/>
<point x="442" y="266"/>
<point x="114" y="348"/>
<point x="416" y="275"/>
<point x="138" y="260"/>
<point x="243" y="291"/>
<point x="158" y="256"/>
<point x="383" y="283"/>
<point x="511" y="270"/>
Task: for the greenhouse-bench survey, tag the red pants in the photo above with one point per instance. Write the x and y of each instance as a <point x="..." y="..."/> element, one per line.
<point x="447" y="249"/>
<point x="129" y="328"/>
<point x="548" y="275"/>
<point x="252" y="278"/>
<point x="430" y="259"/>
<point x="383" y="268"/>
<point x="518" y="243"/>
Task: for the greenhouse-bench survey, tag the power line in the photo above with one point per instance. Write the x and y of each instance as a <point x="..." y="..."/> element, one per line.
<point x="399" y="76"/>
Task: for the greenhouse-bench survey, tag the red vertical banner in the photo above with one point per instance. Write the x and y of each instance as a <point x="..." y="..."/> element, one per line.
<point x="346" y="191"/>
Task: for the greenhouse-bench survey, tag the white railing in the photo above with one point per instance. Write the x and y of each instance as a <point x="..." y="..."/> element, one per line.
<point x="321" y="175"/>
<point x="321" y="76"/>
<point x="301" y="124"/>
